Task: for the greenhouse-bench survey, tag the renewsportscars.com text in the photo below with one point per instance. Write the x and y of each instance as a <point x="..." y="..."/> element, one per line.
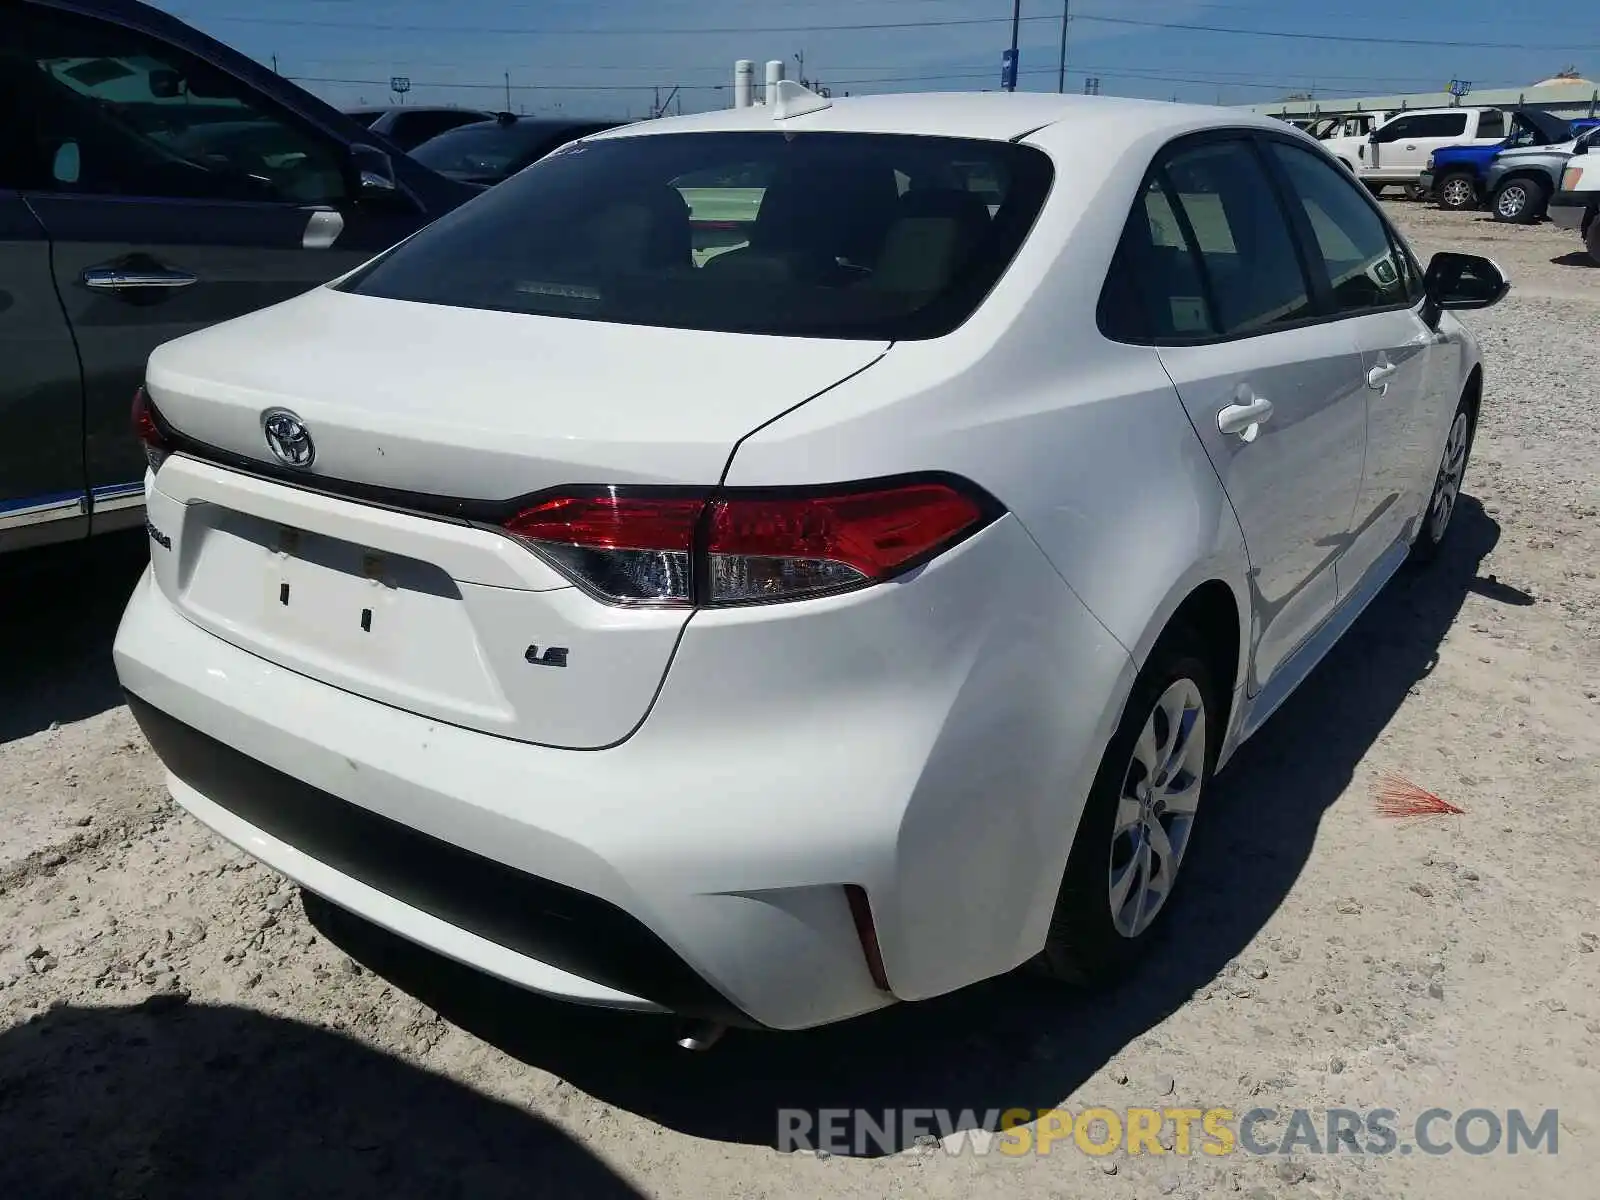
<point x="1213" y="1132"/>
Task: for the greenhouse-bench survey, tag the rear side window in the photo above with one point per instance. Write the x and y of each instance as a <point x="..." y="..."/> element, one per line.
<point x="860" y="236"/>
<point x="1492" y="124"/>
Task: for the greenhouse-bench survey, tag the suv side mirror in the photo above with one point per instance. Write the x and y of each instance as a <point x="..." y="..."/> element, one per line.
<point x="1461" y="281"/>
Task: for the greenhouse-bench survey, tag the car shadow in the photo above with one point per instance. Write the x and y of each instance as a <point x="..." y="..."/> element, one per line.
<point x="1012" y="1042"/>
<point x="59" y="608"/>
<point x="200" y="1101"/>
<point x="1578" y="258"/>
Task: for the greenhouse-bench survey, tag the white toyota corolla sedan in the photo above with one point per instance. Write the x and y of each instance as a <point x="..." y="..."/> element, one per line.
<point x="769" y="564"/>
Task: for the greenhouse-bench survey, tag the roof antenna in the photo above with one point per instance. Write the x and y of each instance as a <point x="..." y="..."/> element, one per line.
<point x="794" y="100"/>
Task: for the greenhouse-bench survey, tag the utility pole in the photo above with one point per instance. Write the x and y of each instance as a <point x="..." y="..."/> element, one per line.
<point x="1061" y="73"/>
<point x="1016" y="21"/>
<point x="274" y="64"/>
<point x="508" y="91"/>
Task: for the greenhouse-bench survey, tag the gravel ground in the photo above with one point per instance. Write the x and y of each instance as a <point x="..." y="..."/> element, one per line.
<point x="177" y="1021"/>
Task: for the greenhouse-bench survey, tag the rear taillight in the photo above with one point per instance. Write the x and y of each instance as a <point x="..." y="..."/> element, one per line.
<point x="148" y="428"/>
<point x="682" y="549"/>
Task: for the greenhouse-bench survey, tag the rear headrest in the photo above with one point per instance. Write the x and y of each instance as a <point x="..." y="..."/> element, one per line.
<point x="933" y="234"/>
<point x="954" y="204"/>
<point x="645" y="229"/>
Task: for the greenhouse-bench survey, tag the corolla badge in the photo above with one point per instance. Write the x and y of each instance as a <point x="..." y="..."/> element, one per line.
<point x="288" y="438"/>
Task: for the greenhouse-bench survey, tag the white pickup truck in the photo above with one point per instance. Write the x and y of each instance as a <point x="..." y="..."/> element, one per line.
<point x="1397" y="150"/>
<point x="1577" y="204"/>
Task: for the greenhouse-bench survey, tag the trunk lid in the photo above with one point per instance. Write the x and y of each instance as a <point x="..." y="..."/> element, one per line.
<point x="438" y="616"/>
<point x="486" y="405"/>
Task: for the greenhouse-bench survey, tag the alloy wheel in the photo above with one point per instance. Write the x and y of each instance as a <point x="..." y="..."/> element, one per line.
<point x="1448" y="488"/>
<point x="1457" y="192"/>
<point x="1156" y="808"/>
<point x="1513" y="200"/>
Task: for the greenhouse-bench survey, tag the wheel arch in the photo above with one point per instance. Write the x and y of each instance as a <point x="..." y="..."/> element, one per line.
<point x="1213" y="601"/>
<point x="1530" y="174"/>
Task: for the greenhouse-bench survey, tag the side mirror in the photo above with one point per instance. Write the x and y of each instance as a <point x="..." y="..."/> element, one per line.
<point x="372" y="172"/>
<point x="1461" y="281"/>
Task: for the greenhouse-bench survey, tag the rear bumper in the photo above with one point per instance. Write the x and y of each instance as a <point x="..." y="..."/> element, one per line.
<point x="607" y="955"/>
<point x="1567" y="209"/>
<point x="930" y="741"/>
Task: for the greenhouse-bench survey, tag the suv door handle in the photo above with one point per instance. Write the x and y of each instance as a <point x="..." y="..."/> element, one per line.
<point x="108" y="279"/>
<point x="1245" y="419"/>
<point x="1378" y="378"/>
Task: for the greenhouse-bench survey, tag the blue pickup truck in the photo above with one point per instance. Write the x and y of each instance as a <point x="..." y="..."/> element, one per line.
<point x="1455" y="175"/>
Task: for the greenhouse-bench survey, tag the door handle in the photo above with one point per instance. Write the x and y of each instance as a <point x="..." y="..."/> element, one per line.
<point x="108" y="279"/>
<point x="1245" y="419"/>
<point x="1378" y="378"/>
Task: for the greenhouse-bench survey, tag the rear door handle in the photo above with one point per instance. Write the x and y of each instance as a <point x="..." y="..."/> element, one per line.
<point x="1245" y="419"/>
<point x="110" y="279"/>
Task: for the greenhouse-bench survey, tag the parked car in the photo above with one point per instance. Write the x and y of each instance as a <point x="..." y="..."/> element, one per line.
<point x="1397" y="150"/>
<point x="487" y="152"/>
<point x="1520" y="182"/>
<point x="154" y="181"/>
<point x="408" y="126"/>
<point x="1576" y="205"/>
<point x="754" y="636"/>
<point x="1456" y="176"/>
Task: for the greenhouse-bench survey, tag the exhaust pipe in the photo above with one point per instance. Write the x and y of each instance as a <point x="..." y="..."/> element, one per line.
<point x="701" y="1036"/>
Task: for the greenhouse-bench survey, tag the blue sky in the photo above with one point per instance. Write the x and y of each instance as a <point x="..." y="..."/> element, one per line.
<point x="608" y="56"/>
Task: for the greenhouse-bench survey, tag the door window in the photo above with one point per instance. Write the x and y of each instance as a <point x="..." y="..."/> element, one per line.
<point x="108" y="111"/>
<point x="1351" y="239"/>
<point x="1492" y="124"/>
<point x="1426" y="125"/>
<point x="1219" y="194"/>
<point x="1206" y="253"/>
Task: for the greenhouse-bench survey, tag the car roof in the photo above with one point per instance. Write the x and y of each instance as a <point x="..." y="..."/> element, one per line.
<point x="421" y="108"/>
<point x="995" y="116"/>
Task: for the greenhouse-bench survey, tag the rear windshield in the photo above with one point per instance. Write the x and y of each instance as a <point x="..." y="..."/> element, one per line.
<point x="861" y="236"/>
<point x="486" y="148"/>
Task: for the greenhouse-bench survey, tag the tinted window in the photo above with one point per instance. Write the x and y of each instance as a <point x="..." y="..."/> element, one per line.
<point x="420" y="126"/>
<point x="1351" y="238"/>
<point x="1431" y="125"/>
<point x="491" y="150"/>
<point x="1155" y="288"/>
<point x="104" y="110"/>
<point x="841" y="235"/>
<point x="1492" y="124"/>
<point x="1232" y="214"/>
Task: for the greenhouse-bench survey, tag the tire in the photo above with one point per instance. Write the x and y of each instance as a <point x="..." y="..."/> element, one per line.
<point x="1457" y="191"/>
<point x="1520" y="201"/>
<point x="1452" y="471"/>
<point x="1086" y="947"/>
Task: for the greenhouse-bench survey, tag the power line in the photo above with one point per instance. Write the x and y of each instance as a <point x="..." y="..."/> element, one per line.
<point x="940" y="23"/>
<point x="1332" y="37"/>
<point x="1163" y="77"/>
<point x="1243" y="78"/>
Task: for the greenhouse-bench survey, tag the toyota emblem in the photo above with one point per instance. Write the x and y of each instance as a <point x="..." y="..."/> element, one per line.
<point x="288" y="438"/>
